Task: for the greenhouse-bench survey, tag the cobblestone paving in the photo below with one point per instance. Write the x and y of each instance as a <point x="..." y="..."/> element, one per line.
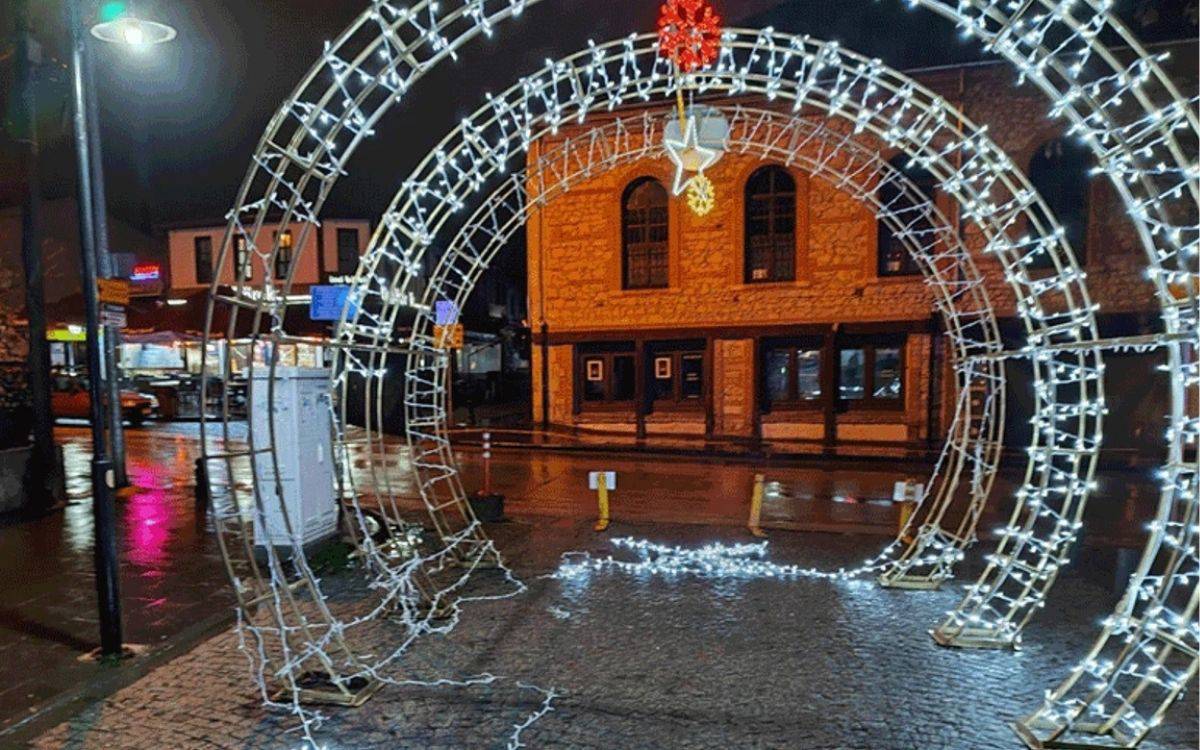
<point x="657" y="663"/>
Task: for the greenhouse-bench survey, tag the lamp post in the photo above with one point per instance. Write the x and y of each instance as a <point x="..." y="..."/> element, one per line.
<point x="126" y="29"/>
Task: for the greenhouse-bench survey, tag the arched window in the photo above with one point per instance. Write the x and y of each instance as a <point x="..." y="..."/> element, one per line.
<point x="907" y="211"/>
<point x="1059" y="172"/>
<point x="770" y="225"/>
<point x="644" y="253"/>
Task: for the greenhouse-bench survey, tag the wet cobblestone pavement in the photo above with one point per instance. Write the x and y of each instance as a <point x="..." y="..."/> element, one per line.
<point x="656" y="663"/>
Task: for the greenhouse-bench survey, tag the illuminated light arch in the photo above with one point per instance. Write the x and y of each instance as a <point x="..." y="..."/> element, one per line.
<point x="965" y="471"/>
<point x="818" y="77"/>
<point x="1125" y="109"/>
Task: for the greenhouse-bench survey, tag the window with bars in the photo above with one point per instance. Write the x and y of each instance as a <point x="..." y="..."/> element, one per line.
<point x="770" y="226"/>
<point x="644" y="231"/>
<point x="907" y="211"/>
<point x="204" y="259"/>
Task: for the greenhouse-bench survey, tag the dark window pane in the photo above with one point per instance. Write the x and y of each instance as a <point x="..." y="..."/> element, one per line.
<point x="645" y="233"/>
<point x="204" y="260"/>
<point x="888" y="380"/>
<point x="593" y="379"/>
<point x="622" y="377"/>
<point x="778" y="374"/>
<point x="1059" y="171"/>
<point x="851" y="374"/>
<point x="347" y="252"/>
<point x="691" y="374"/>
<point x="662" y="377"/>
<point x="770" y="222"/>
<point x="808" y="375"/>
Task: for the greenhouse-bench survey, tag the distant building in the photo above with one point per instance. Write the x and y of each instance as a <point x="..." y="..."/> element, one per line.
<point x="787" y="314"/>
<point x="330" y="252"/>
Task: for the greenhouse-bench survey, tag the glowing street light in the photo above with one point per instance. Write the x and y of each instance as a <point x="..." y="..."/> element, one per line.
<point x="119" y="25"/>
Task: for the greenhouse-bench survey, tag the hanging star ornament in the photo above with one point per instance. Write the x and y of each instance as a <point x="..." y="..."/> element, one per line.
<point x="688" y="155"/>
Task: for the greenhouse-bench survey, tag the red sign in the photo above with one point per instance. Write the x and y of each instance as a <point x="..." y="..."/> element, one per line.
<point x="146" y="272"/>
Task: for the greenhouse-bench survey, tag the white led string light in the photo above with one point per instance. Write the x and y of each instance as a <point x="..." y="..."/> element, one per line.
<point x="877" y="102"/>
<point x="1123" y="107"/>
<point x="971" y="451"/>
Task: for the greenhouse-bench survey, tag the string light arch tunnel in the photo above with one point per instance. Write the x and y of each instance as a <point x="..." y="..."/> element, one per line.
<point x="1135" y="122"/>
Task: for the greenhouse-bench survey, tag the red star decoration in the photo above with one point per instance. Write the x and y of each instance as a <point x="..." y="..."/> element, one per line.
<point x="689" y="32"/>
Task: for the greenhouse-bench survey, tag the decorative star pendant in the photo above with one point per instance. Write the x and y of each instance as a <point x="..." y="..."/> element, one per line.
<point x="688" y="155"/>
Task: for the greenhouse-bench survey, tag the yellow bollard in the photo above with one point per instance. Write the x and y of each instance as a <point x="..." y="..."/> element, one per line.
<point x="602" y="494"/>
<point x="907" y="508"/>
<point x="756" y="508"/>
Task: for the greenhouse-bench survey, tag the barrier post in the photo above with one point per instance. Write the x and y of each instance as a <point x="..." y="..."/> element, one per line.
<point x="756" y="498"/>
<point x="602" y="496"/>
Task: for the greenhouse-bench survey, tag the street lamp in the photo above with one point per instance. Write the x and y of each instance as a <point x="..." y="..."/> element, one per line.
<point x="115" y="24"/>
<point x="133" y="31"/>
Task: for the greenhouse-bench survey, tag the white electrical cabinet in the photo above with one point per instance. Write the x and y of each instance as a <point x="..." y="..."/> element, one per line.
<point x="303" y="447"/>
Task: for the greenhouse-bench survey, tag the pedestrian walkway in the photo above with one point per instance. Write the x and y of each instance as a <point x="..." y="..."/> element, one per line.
<point x="175" y="589"/>
<point x="646" y="661"/>
<point x="173" y="584"/>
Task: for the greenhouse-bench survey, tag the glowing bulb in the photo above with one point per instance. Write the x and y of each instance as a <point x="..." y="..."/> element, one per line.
<point x="132" y="33"/>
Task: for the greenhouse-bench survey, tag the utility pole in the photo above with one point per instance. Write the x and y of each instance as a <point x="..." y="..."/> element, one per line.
<point x="107" y="270"/>
<point x="105" y="544"/>
<point x="44" y="464"/>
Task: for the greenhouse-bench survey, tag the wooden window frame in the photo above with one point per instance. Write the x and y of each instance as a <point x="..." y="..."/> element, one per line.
<point x="662" y="249"/>
<point x="869" y="345"/>
<point x="607" y="355"/>
<point x="769" y="197"/>
<point x="793" y="402"/>
<point x="676" y="353"/>
<point x="886" y="240"/>
<point x="1061" y="165"/>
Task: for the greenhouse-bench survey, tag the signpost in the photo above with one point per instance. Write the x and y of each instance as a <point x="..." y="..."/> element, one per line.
<point x="113" y="292"/>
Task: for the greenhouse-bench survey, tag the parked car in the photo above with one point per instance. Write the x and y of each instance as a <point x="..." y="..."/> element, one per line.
<point x="70" y="398"/>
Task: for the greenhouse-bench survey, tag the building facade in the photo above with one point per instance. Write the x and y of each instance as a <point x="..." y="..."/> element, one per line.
<point x="331" y="251"/>
<point x="788" y="314"/>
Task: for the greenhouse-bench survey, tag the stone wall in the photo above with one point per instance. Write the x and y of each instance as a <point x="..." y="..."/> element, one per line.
<point x="574" y="261"/>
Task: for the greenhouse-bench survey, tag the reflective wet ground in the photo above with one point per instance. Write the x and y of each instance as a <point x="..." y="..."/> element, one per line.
<point x="648" y="661"/>
<point x="175" y="590"/>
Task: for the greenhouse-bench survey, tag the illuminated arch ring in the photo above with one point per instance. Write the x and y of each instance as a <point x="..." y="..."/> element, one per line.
<point x="873" y="100"/>
<point x="962" y="477"/>
<point x="1124" y="107"/>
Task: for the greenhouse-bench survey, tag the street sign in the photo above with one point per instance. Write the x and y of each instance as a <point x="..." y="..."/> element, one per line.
<point x="610" y="480"/>
<point x="327" y="301"/>
<point x="113" y="291"/>
<point x="448" y="337"/>
<point x="112" y="317"/>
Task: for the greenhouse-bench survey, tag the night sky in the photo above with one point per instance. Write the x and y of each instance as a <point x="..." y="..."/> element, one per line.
<point x="180" y="121"/>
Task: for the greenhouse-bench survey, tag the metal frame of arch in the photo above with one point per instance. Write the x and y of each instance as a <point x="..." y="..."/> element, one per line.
<point x="1142" y="132"/>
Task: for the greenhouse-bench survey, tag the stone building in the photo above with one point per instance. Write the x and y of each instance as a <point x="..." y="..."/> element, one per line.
<point x="787" y="314"/>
